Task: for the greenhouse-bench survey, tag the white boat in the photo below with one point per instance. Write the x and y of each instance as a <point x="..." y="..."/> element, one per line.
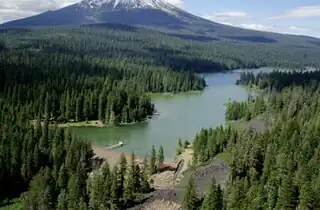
<point x="120" y="144"/>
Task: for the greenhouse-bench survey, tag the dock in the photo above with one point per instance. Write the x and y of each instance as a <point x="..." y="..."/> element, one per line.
<point x="120" y="144"/>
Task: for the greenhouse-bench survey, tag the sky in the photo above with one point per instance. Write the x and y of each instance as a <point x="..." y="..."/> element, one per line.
<point x="301" y="17"/>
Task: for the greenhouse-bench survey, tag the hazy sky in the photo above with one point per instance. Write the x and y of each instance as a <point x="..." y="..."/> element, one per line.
<point x="285" y="16"/>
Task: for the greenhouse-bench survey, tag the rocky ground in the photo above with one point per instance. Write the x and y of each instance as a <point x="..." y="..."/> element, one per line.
<point x="162" y="205"/>
<point x="257" y="125"/>
<point x="203" y="176"/>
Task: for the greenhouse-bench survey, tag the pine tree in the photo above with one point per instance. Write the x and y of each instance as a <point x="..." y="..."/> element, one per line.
<point x="96" y="190"/>
<point x="307" y="196"/>
<point x="122" y="173"/>
<point x="218" y="199"/>
<point x="115" y="196"/>
<point x="208" y="202"/>
<point x="86" y="110"/>
<point x="287" y="193"/>
<point x="153" y="159"/>
<point x="62" y="202"/>
<point x="68" y="107"/>
<point x="137" y="179"/>
<point x="82" y="205"/>
<point x="214" y="199"/>
<point x="47" y="108"/>
<point x="44" y="141"/>
<point x="145" y="187"/>
<point x="74" y="191"/>
<point x="62" y="181"/>
<point x="78" y="110"/>
<point x="160" y="156"/>
<point x="129" y="189"/>
<point x="113" y="119"/>
<point x="101" y="106"/>
<point x="190" y="199"/>
<point x="107" y="185"/>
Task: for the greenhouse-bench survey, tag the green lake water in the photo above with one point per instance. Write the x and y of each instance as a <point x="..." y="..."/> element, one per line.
<point x="180" y="116"/>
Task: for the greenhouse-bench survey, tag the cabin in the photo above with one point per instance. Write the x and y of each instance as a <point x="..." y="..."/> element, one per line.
<point x="171" y="166"/>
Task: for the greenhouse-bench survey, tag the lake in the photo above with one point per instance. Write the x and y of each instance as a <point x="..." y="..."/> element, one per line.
<point x="180" y="116"/>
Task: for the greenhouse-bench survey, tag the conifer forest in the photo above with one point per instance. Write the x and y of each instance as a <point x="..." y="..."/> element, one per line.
<point x="82" y="74"/>
<point x="276" y="168"/>
<point x="51" y="80"/>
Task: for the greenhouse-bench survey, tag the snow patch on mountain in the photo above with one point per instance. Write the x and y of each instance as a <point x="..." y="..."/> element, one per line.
<point x="114" y="5"/>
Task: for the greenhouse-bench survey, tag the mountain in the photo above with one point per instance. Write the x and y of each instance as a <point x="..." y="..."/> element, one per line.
<point x="163" y="17"/>
<point x="131" y="12"/>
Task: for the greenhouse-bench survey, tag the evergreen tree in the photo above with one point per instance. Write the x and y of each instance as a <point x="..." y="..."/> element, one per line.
<point x="62" y="202"/>
<point x="160" y="156"/>
<point x="145" y="187"/>
<point x="209" y="198"/>
<point x="115" y="195"/>
<point x="190" y="199"/>
<point x="153" y="159"/>
<point x="129" y="188"/>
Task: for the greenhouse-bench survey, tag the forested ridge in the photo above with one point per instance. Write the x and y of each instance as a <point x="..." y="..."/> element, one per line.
<point x="275" y="169"/>
<point x="278" y="80"/>
<point x="174" y="51"/>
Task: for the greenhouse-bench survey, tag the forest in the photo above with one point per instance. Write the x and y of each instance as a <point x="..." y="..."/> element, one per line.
<point x="53" y="169"/>
<point x="50" y="81"/>
<point x="278" y="80"/>
<point x="51" y="76"/>
<point x="125" y="44"/>
<point x="63" y="87"/>
<point x="274" y="169"/>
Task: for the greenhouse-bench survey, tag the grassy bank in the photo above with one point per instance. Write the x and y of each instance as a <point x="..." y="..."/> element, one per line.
<point x="91" y="123"/>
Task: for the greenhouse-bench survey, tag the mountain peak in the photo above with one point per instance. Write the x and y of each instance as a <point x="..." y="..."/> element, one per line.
<point x="127" y="4"/>
<point x="129" y="12"/>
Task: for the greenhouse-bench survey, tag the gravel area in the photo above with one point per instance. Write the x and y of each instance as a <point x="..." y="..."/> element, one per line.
<point x="112" y="156"/>
<point x="159" y="205"/>
<point x="163" y="180"/>
<point x="162" y="205"/>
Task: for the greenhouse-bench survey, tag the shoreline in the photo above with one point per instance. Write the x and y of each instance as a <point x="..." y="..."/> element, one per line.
<point x="172" y="94"/>
<point x="97" y="124"/>
<point x="94" y="123"/>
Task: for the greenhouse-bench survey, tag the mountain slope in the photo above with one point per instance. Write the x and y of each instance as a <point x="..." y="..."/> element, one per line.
<point x="170" y="20"/>
<point x="155" y="14"/>
<point x="137" y="12"/>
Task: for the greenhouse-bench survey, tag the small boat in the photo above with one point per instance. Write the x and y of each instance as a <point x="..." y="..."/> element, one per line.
<point x="120" y="144"/>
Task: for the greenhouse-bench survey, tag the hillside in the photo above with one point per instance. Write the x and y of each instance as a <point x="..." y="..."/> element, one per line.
<point x="179" y="52"/>
<point x="168" y="19"/>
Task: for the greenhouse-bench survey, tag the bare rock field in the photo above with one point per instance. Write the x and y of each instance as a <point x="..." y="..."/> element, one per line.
<point x="203" y="176"/>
